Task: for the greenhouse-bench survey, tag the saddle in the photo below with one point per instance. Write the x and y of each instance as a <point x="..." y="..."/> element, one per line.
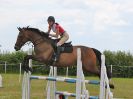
<point x="65" y="48"/>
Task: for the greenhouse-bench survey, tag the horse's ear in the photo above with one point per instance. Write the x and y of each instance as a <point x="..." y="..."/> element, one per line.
<point x="28" y="27"/>
<point x="19" y="28"/>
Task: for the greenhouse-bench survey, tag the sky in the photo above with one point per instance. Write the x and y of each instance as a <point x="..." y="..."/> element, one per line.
<point x="101" y="24"/>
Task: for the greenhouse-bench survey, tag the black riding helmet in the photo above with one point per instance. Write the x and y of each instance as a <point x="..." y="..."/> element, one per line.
<point x="51" y="18"/>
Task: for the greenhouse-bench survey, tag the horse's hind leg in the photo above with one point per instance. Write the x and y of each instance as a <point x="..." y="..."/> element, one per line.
<point x="95" y="70"/>
<point x="91" y="68"/>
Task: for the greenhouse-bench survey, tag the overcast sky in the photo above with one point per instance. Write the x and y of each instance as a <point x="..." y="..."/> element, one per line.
<point x="102" y="24"/>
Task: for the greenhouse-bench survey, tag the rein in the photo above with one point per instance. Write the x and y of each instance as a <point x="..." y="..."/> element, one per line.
<point x="38" y="41"/>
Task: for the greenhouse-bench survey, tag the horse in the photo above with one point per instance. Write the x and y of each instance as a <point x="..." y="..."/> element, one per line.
<point x="44" y="50"/>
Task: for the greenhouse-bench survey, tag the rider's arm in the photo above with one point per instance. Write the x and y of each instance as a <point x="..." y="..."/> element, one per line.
<point x="49" y="29"/>
<point x="56" y="34"/>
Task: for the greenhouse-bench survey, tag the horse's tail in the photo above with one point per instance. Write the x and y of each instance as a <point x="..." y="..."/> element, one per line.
<point x="98" y="55"/>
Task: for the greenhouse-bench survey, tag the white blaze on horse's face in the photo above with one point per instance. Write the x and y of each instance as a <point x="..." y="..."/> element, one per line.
<point x="21" y="39"/>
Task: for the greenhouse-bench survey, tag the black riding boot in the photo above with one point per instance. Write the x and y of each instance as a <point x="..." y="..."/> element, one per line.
<point x="57" y="53"/>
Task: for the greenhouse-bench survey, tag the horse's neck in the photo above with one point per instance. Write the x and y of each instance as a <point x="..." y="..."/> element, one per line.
<point x="34" y="37"/>
<point x="40" y="43"/>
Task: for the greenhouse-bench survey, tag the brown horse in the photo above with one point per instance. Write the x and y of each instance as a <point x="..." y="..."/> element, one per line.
<point x="44" y="50"/>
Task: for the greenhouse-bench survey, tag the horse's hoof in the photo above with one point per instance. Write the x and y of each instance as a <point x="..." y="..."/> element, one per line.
<point x="26" y="70"/>
<point x="112" y="86"/>
<point x="30" y="69"/>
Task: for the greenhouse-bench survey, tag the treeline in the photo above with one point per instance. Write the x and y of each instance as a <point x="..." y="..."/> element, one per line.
<point x="121" y="61"/>
<point x="119" y="58"/>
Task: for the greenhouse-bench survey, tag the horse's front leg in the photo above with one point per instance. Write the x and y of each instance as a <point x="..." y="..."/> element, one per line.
<point x="25" y="63"/>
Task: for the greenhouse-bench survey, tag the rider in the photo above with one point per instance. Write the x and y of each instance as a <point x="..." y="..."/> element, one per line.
<point x="58" y="31"/>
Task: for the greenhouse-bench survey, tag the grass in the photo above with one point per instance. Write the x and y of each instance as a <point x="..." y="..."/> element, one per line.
<point x="12" y="88"/>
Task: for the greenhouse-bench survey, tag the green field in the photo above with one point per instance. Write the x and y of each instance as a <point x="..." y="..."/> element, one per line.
<point x="12" y="88"/>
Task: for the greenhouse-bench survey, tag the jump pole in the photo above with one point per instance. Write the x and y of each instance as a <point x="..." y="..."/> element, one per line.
<point x="20" y="71"/>
<point x="1" y="81"/>
<point x="104" y="82"/>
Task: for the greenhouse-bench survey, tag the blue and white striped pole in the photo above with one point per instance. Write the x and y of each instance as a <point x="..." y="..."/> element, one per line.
<point x="63" y="79"/>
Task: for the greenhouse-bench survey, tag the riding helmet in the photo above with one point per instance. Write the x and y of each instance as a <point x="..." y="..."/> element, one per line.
<point x="51" y="18"/>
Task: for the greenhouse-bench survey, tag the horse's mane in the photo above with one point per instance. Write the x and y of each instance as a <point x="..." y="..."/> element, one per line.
<point x="35" y="30"/>
<point x="43" y="34"/>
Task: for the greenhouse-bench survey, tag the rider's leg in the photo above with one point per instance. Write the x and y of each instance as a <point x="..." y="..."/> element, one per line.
<point x="64" y="38"/>
<point x="62" y="41"/>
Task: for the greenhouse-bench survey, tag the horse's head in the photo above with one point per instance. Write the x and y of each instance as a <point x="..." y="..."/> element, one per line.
<point x="30" y="34"/>
<point x="21" y="39"/>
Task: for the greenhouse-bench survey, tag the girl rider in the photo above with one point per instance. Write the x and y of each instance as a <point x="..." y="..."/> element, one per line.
<point x="58" y="31"/>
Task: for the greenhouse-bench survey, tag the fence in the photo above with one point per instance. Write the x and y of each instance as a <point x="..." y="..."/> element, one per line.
<point x="117" y="71"/>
